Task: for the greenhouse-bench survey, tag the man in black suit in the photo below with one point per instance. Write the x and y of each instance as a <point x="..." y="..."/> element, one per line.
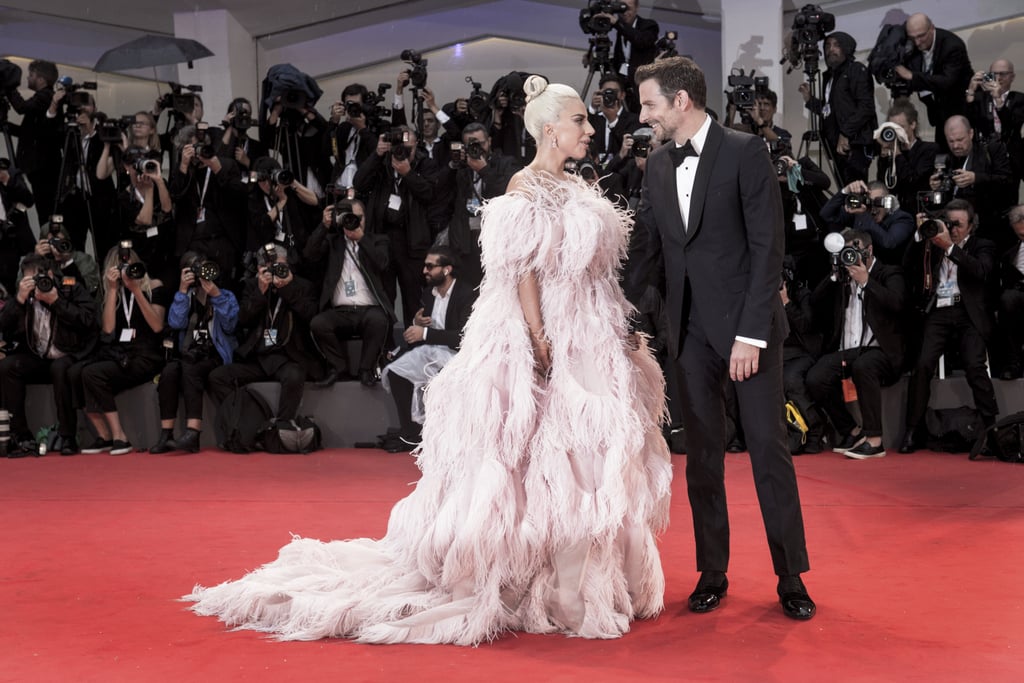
<point x="996" y="112"/>
<point x="938" y="70"/>
<point x="906" y="163"/>
<point x="433" y="338"/>
<point x="610" y="119"/>
<point x="635" y="45"/>
<point x="38" y="154"/>
<point x="949" y="275"/>
<point x="1011" y="298"/>
<point x="352" y="300"/>
<point x="714" y="210"/>
<point x="860" y="308"/>
<point x="349" y="141"/>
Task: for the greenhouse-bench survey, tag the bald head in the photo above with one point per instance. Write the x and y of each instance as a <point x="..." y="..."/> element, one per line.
<point x="958" y="135"/>
<point x="920" y="30"/>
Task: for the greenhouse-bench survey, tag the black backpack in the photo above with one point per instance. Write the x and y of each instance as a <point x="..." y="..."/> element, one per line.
<point x="241" y="418"/>
<point x="1003" y="440"/>
<point x="301" y="435"/>
<point x="891" y="49"/>
<point x="953" y="430"/>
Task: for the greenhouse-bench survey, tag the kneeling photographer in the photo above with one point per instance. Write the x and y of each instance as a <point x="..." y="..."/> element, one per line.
<point x="53" y="317"/>
<point x="205" y="317"/>
<point x="859" y="309"/>
<point x="478" y="174"/>
<point x="870" y="208"/>
<point x="951" y="273"/>
<point x="352" y="301"/>
<point x="131" y="353"/>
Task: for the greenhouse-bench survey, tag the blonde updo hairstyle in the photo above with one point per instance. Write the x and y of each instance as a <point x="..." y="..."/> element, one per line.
<point x="544" y="103"/>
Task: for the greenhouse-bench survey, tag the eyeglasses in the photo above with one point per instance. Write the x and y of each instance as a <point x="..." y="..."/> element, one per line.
<point x="1002" y="73"/>
<point x="431" y="266"/>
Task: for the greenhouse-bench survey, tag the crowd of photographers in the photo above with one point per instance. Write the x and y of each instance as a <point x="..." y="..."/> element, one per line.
<point x="280" y="233"/>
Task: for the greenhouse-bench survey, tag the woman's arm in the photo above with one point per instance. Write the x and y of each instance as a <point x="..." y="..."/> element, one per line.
<point x="529" y="300"/>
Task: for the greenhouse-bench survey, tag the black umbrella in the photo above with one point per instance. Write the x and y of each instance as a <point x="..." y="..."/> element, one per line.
<point x="150" y="50"/>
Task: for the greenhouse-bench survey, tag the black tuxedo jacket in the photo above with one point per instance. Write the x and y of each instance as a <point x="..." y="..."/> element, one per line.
<point x="373" y="261"/>
<point x="375" y="180"/>
<point x="995" y="188"/>
<point x="1011" y="118"/>
<point x="946" y="80"/>
<point x="627" y="122"/>
<point x="885" y="295"/>
<point x="459" y="308"/>
<point x="298" y="306"/>
<point x="975" y="261"/>
<point x="38" y="137"/>
<point x="642" y="50"/>
<point x="724" y="269"/>
<point x="495" y="176"/>
<point x="1009" y="276"/>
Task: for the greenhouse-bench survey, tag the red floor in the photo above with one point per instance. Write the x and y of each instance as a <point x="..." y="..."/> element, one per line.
<point x="916" y="572"/>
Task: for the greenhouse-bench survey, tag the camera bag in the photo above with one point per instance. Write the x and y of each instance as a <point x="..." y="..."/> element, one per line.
<point x="301" y="435"/>
<point x="1004" y="440"/>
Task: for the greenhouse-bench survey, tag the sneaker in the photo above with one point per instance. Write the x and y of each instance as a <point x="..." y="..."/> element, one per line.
<point x="848" y="442"/>
<point x="120" y="448"/>
<point x="98" y="446"/>
<point x="865" y="450"/>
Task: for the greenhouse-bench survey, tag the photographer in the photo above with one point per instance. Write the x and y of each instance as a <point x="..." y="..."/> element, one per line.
<point x="848" y="110"/>
<point x="478" y="174"/>
<point x="280" y="210"/>
<point x="275" y="309"/>
<point x="868" y="207"/>
<point x="209" y="200"/>
<point x="349" y="139"/>
<point x="860" y="311"/>
<point x="141" y="135"/>
<point x="981" y="174"/>
<point x="184" y="109"/>
<point x="56" y="245"/>
<point x="938" y="70"/>
<point x="352" y="300"/>
<point x="298" y="133"/>
<point x="54" y="315"/>
<point x="38" y="154"/>
<point x="1011" y="299"/>
<point x="432" y="339"/>
<point x="610" y="119"/>
<point x="803" y="185"/>
<point x="144" y="212"/>
<point x="15" y="232"/>
<point x="950" y="271"/>
<point x="636" y="41"/>
<point x="399" y="182"/>
<point x="131" y="351"/>
<point x="205" y="316"/>
<point x="799" y="352"/>
<point x="759" y="119"/>
<point x="996" y="112"/>
<point x="507" y="129"/>
<point x="235" y="142"/>
<point x="437" y="145"/>
<point x="906" y="162"/>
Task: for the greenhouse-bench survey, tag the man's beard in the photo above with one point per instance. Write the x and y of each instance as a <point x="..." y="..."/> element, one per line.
<point x="834" y="61"/>
<point x="435" y="280"/>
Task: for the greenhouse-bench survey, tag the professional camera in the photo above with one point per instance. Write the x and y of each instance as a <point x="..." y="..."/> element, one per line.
<point x="479" y="101"/>
<point x="135" y="271"/>
<point x="888" y="135"/>
<point x="77" y="97"/>
<point x="295" y="100"/>
<point x="889" y="202"/>
<point x="745" y="89"/>
<point x="205" y="270"/>
<point x="110" y="131"/>
<point x="417" y="68"/>
<point x="857" y="200"/>
<point x="591" y="23"/>
<point x="842" y="255"/>
<point x="811" y="24"/>
<point x="666" y="45"/>
<point x="268" y="257"/>
<point x="243" y="118"/>
<point x="343" y="218"/>
<point x="988" y="77"/>
<point x="181" y="100"/>
<point x="201" y="348"/>
<point x="586" y="170"/>
<point x="610" y="97"/>
<point x="44" y="283"/>
<point x="852" y="254"/>
<point x="475" y="150"/>
<point x="778" y="149"/>
<point x="145" y="165"/>
<point x="282" y="177"/>
<point x="204" y="149"/>
<point x="946" y="183"/>
<point x="641" y="146"/>
<point x="56" y="240"/>
<point x="377" y="115"/>
<point x="933" y="205"/>
<point x="398" y="138"/>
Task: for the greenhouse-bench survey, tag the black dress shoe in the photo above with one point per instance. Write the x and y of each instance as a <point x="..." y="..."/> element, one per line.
<point x="708" y="594"/>
<point x="327" y="381"/>
<point x="189" y="441"/>
<point x="70" y="447"/>
<point x="165" y="444"/>
<point x="736" y="446"/>
<point x="796" y="603"/>
<point x="366" y="378"/>
<point x="909" y="443"/>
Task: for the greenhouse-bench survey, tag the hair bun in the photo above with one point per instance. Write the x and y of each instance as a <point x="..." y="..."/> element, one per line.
<point x="534" y="86"/>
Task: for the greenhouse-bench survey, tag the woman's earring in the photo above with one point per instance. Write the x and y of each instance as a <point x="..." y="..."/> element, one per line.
<point x="554" y="142"/>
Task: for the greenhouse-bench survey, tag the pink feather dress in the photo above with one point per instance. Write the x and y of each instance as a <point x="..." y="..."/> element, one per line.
<point x="540" y="500"/>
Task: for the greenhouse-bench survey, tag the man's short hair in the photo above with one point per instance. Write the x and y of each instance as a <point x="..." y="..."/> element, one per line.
<point x="854" y="235"/>
<point x="474" y="127"/>
<point x="354" y="89"/>
<point x="961" y="205"/>
<point x="674" y="74"/>
<point x="36" y="262"/>
<point x="878" y="185"/>
<point x="446" y="257"/>
<point x="769" y="95"/>
<point x="903" y="105"/>
<point x="612" y="78"/>
<point x="347" y="204"/>
<point x="48" y="70"/>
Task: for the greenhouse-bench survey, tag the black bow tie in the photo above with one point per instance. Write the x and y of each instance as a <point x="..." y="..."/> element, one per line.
<point x="679" y="154"/>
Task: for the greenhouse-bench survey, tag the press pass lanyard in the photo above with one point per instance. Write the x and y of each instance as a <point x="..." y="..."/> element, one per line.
<point x="128" y="306"/>
<point x="206" y="185"/>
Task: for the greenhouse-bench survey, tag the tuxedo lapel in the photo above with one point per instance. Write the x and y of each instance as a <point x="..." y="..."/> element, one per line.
<point x="700" y="182"/>
<point x="666" y="187"/>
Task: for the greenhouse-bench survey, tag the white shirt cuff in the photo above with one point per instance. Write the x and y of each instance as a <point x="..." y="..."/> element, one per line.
<point x="442" y="118"/>
<point x="759" y="343"/>
<point x="399" y="102"/>
<point x="425" y="330"/>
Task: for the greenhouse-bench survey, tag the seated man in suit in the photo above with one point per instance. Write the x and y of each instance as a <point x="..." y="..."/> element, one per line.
<point x="860" y="309"/>
<point x="1011" y="298"/>
<point x="434" y="337"/>
<point x="949" y="271"/>
<point x="352" y="299"/>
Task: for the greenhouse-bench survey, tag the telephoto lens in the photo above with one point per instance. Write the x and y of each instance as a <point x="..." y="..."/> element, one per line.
<point x="888" y="135"/>
<point x="930" y="228"/>
<point x="280" y="270"/>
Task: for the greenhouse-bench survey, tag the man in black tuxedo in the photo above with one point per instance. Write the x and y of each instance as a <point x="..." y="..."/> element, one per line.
<point x="1011" y="298"/>
<point x="433" y="339"/>
<point x="938" y="70"/>
<point x="714" y="210"/>
<point x="635" y="45"/>
<point x="950" y="276"/>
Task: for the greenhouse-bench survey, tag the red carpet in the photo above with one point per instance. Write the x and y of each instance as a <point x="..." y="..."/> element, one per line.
<point x="916" y="572"/>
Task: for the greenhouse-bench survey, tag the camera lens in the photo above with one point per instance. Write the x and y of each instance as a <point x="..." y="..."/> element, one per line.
<point x="888" y="135"/>
<point x="44" y="283"/>
<point x="136" y="271"/>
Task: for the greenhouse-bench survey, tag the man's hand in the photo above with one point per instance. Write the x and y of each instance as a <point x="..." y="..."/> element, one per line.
<point x="414" y="334"/>
<point x="383" y="146"/>
<point x="47" y="298"/>
<point x="963" y="178"/>
<point x="904" y="73"/>
<point x="263" y="279"/>
<point x="805" y="91"/>
<point x="337" y="111"/>
<point x="784" y="293"/>
<point x="241" y="157"/>
<point x="188" y="152"/>
<point x="843" y="145"/>
<point x="476" y="164"/>
<point x="43" y="247"/>
<point x="401" y="82"/>
<point x="428" y="99"/>
<point x="402" y="167"/>
<point x="858" y="272"/>
<point x="943" y="240"/>
<point x="420" y="319"/>
<point x="26" y="286"/>
<point x="743" y="361"/>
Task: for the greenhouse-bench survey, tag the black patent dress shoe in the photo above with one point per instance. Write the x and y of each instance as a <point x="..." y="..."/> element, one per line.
<point x="796" y="603"/>
<point x="328" y="381"/>
<point x="708" y="594"/>
<point x="909" y="443"/>
<point x="735" y="446"/>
